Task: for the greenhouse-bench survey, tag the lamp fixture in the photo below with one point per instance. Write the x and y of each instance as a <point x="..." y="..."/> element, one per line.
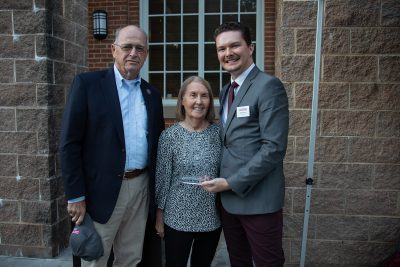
<point x="100" y="24"/>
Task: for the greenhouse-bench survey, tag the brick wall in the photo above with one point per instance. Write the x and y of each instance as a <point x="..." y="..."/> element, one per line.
<point x="355" y="206"/>
<point x="120" y="13"/>
<point x="43" y="44"/>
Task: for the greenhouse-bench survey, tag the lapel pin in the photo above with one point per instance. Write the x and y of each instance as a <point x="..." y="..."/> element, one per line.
<point x="148" y="91"/>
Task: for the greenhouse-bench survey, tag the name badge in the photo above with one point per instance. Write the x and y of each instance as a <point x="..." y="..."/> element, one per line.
<point x="242" y="112"/>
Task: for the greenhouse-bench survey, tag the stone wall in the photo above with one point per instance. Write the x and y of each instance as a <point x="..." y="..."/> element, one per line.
<point x="42" y="45"/>
<point x="355" y="203"/>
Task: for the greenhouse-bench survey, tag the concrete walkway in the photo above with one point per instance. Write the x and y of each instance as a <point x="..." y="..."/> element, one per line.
<point x="65" y="259"/>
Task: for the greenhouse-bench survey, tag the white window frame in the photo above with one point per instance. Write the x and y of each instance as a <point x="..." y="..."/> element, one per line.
<point x="259" y="43"/>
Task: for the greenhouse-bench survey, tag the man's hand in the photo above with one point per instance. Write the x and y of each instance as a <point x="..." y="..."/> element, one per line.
<point x="160" y="223"/>
<point x="77" y="211"/>
<point x="216" y="185"/>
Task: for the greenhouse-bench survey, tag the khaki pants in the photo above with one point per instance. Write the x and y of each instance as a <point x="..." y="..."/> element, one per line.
<point x="126" y="228"/>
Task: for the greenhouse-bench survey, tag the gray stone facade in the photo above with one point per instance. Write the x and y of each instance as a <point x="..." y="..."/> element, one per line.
<point x="42" y="45"/>
<point x="355" y="204"/>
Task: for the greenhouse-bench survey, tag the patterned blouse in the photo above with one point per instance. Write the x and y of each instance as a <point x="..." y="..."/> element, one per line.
<point x="182" y="153"/>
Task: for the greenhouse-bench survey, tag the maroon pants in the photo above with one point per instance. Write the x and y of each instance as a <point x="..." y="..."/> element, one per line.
<point x="255" y="238"/>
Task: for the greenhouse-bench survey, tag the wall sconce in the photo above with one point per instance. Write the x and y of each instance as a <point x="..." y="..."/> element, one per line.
<point x="100" y="24"/>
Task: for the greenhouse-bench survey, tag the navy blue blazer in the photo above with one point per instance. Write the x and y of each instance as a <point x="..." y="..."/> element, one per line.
<point x="92" y="147"/>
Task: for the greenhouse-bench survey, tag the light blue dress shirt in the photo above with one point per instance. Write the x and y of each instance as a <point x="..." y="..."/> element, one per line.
<point x="134" y="118"/>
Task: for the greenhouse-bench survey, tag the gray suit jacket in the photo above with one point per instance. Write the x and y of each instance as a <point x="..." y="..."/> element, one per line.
<point x="254" y="146"/>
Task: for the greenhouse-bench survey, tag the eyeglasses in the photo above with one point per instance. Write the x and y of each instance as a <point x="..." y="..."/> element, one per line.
<point x="129" y="47"/>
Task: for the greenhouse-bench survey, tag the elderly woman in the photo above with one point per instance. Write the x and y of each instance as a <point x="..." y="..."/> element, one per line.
<point x="188" y="151"/>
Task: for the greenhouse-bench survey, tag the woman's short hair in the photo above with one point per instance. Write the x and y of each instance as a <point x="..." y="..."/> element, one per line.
<point x="180" y="110"/>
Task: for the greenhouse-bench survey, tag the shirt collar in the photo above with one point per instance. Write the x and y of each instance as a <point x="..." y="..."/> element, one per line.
<point x="119" y="79"/>
<point x="240" y="79"/>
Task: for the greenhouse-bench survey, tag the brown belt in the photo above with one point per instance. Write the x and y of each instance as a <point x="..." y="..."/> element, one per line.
<point x="134" y="173"/>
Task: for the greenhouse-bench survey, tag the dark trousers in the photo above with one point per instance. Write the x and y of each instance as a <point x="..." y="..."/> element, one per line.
<point x="178" y="245"/>
<point x="255" y="238"/>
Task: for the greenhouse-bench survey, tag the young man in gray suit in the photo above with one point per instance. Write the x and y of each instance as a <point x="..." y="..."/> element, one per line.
<point x="254" y="117"/>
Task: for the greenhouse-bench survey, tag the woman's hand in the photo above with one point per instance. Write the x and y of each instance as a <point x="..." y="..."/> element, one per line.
<point x="160" y="223"/>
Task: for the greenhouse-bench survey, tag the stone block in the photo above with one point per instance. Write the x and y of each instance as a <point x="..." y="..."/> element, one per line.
<point x="288" y="206"/>
<point x="289" y="87"/>
<point x="62" y="213"/>
<point x="21" y="234"/>
<point x="389" y="69"/>
<point x="390" y="13"/>
<point x="352" y="13"/>
<point x="17" y="95"/>
<point x="348" y="123"/>
<point x="320" y="253"/>
<point x="26" y="143"/>
<point x="63" y="28"/>
<point x="332" y="227"/>
<point x="323" y="201"/>
<point x="375" y="41"/>
<point x="6" y="72"/>
<point x="8" y="165"/>
<point x="8" y="142"/>
<point x="387" y="150"/>
<point x="42" y="212"/>
<point x="81" y="36"/>
<point x="288" y="41"/>
<point x="7" y="119"/>
<point x="327" y="149"/>
<point x="290" y="149"/>
<point x="293" y="226"/>
<point x="29" y="251"/>
<point x="297" y="68"/>
<point x="49" y="46"/>
<point x="388" y="124"/>
<point x="19" y="189"/>
<point x="375" y="97"/>
<point x="51" y="188"/>
<point x="64" y="73"/>
<point x="387" y="177"/>
<point x="30" y="22"/>
<point x="74" y="54"/>
<point x="32" y="119"/>
<point x="34" y="71"/>
<point x="368" y="253"/>
<point x="18" y="47"/>
<point x="5" y="22"/>
<point x="334" y="41"/>
<point x="299" y="14"/>
<point x="295" y="174"/>
<point x="35" y="166"/>
<point x="9" y="211"/>
<point x="46" y="141"/>
<point x="376" y="203"/>
<point x="57" y="234"/>
<point x="350" y="69"/>
<point x="345" y="176"/>
<point x="330" y="95"/>
<point x="384" y="229"/>
<point x="299" y="122"/>
<point x="21" y="4"/>
<point x="79" y="14"/>
<point x="362" y="150"/>
<point x="50" y="95"/>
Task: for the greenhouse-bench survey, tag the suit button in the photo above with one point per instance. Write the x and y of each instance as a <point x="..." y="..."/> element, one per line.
<point x="123" y="150"/>
<point x="119" y="175"/>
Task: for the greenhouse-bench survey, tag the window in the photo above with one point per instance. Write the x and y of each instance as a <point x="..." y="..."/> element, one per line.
<point x="181" y="40"/>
